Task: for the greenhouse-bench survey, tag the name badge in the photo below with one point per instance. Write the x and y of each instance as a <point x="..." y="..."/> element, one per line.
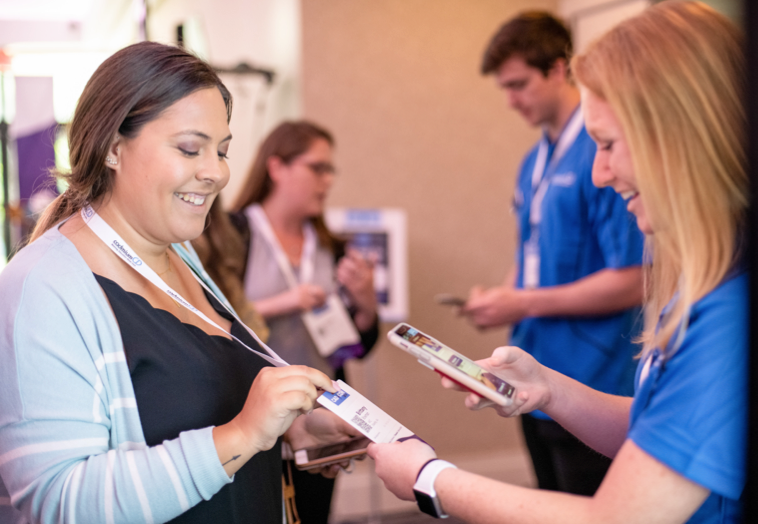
<point x="331" y="327"/>
<point x="531" y="265"/>
<point x="563" y="179"/>
<point x="363" y="415"/>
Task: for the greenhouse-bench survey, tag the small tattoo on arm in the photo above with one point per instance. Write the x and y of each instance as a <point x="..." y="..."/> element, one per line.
<point x="235" y="457"/>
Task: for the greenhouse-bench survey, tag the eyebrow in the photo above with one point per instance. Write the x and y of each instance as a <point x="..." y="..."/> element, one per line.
<point x="200" y="134"/>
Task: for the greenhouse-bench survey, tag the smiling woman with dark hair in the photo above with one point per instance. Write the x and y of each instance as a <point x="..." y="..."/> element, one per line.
<point x="128" y="391"/>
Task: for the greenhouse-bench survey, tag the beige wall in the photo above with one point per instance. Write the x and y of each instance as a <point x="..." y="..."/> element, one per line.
<point x="418" y="127"/>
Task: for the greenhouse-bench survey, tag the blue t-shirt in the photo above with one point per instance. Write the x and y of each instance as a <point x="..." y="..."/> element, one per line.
<point x="584" y="229"/>
<point x="690" y="412"/>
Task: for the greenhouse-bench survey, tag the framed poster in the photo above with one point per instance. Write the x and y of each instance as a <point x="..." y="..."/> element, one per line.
<point x="380" y="235"/>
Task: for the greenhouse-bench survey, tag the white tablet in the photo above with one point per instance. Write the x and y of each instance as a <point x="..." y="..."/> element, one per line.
<point x="458" y="368"/>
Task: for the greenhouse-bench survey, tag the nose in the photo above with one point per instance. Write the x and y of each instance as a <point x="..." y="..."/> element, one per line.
<point x="214" y="171"/>
<point x="328" y="180"/>
<point x="513" y="99"/>
<point x="601" y="173"/>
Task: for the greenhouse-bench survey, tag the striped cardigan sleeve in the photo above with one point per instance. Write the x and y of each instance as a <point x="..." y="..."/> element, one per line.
<point x="71" y="443"/>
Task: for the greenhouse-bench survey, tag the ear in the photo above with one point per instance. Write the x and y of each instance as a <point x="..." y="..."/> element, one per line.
<point x="113" y="159"/>
<point x="275" y="166"/>
<point x="559" y="71"/>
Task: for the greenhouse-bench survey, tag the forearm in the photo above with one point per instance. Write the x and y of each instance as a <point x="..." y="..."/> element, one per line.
<point x="281" y="304"/>
<point x="598" y="419"/>
<point x="96" y="484"/>
<point x="480" y="500"/>
<point x="365" y="317"/>
<point x="638" y="489"/>
<point x="232" y="447"/>
<point x="605" y="292"/>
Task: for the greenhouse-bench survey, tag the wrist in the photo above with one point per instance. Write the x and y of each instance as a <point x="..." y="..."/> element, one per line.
<point x="232" y="446"/>
<point x="529" y="301"/>
<point x="423" y="489"/>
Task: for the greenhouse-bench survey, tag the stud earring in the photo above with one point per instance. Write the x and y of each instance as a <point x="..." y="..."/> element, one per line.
<point x="111" y="161"/>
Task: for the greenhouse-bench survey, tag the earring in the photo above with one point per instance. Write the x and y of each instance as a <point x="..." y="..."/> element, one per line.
<point x="111" y="161"/>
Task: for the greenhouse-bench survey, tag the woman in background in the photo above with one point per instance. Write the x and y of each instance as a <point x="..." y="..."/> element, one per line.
<point x="662" y="97"/>
<point x="290" y="263"/>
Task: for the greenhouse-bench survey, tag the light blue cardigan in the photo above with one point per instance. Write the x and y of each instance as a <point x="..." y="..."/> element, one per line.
<point x="71" y="442"/>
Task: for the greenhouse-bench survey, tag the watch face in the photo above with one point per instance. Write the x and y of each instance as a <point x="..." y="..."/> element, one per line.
<point x="426" y="504"/>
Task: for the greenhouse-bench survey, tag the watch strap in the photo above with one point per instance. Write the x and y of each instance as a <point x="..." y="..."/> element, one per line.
<point x="426" y="496"/>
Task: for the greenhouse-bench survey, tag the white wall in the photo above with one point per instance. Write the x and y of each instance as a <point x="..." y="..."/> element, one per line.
<point x="591" y="18"/>
<point x="263" y="33"/>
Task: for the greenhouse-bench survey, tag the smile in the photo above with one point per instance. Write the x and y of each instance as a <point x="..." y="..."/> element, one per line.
<point x="192" y="198"/>
<point x="628" y="195"/>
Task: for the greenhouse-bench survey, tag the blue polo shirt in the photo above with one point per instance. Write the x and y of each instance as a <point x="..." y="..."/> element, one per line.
<point x="690" y="411"/>
<point x="583" y="229"/>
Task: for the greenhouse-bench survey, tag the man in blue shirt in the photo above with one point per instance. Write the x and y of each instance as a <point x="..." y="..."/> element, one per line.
<point x="573" y="292"/>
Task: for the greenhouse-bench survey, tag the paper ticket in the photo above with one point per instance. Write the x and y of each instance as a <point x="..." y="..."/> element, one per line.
<point x="363" y="415"/>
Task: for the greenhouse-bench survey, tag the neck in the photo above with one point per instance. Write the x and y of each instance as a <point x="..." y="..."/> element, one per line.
<point x="151" y="251"/>
<point x="567" y="103"/>
<point x="282" y="218"/>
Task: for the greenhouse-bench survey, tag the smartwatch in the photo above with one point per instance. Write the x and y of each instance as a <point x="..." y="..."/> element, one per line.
<point x="426" y="497"/>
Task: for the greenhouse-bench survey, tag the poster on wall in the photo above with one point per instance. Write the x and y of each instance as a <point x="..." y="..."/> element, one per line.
<point x="380" y="236"/>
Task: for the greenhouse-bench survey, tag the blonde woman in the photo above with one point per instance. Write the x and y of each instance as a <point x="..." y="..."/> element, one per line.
<point x="662" y="99"/>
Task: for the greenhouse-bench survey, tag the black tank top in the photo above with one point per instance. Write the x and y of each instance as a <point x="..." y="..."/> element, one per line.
<point x="186" y="379"/>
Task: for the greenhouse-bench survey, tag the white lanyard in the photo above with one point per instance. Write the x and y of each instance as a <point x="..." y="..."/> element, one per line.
<point x="117" y="244"/>
<point x="307" y="259"/>
<point x="540" y="182"/>
<point x="329" y="326"/>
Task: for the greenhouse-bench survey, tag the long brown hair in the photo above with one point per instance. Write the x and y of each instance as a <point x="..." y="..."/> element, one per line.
<point x="287" y="141"/>
<point x="130" y="89"/>
<point x="674" y="77"/>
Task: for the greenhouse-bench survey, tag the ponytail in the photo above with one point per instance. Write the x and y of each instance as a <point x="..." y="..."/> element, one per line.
<point x="62" y="207"/>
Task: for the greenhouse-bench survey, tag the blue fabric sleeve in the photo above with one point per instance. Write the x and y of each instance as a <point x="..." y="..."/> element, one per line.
<point x="693" y="417"/>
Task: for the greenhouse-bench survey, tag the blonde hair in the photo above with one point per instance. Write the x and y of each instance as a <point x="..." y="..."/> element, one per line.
<point x="674" y="77"/>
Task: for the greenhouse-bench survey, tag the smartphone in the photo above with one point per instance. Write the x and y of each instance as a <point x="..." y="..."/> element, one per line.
<point x="321" y="456"/>
<point x="449" y="300"/>
<point x="445" y="361"/>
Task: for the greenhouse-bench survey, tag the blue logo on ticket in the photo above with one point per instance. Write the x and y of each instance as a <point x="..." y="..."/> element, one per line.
<point x="363" y="415"/>
<point x="337" y="398"/>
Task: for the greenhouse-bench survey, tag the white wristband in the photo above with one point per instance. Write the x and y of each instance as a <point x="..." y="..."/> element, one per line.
<point x="428" y="474"/>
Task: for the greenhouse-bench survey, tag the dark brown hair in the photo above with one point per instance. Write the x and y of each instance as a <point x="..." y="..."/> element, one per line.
<point x="287" y="141"/>
<point x="536" y="36"/>
<point x="129" y="89"/>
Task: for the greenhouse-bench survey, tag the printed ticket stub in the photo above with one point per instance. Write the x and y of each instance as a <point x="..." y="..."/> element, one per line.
<point x="363" y="415"/>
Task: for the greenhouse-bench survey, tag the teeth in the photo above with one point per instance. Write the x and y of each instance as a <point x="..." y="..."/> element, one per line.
<point x="192" y="198"/>
<point x="628" y="195"/>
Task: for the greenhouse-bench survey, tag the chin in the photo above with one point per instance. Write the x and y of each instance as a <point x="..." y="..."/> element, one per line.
<point x="644" y="226"/>
<point x="188" y="231"/>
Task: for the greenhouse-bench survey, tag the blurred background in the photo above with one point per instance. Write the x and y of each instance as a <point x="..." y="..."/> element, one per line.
<point x="419" y="131"/>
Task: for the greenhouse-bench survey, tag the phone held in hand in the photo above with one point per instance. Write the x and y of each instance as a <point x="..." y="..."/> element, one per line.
<point x="321" y="456"/>
<point x="446" y="299"/>
<point x="458" y="368"/>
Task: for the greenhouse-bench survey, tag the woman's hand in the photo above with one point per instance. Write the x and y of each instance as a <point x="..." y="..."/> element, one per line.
<point x="494" y="307"/>
<point x="357" y="275"/>
<point x="321" y="427"/>
<point x="398" y="464"/>
<point x="276" y="398"/>
<point x="307" y="296"/>
<point x="302" y="298"/>
<point x="520" y="370"/>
